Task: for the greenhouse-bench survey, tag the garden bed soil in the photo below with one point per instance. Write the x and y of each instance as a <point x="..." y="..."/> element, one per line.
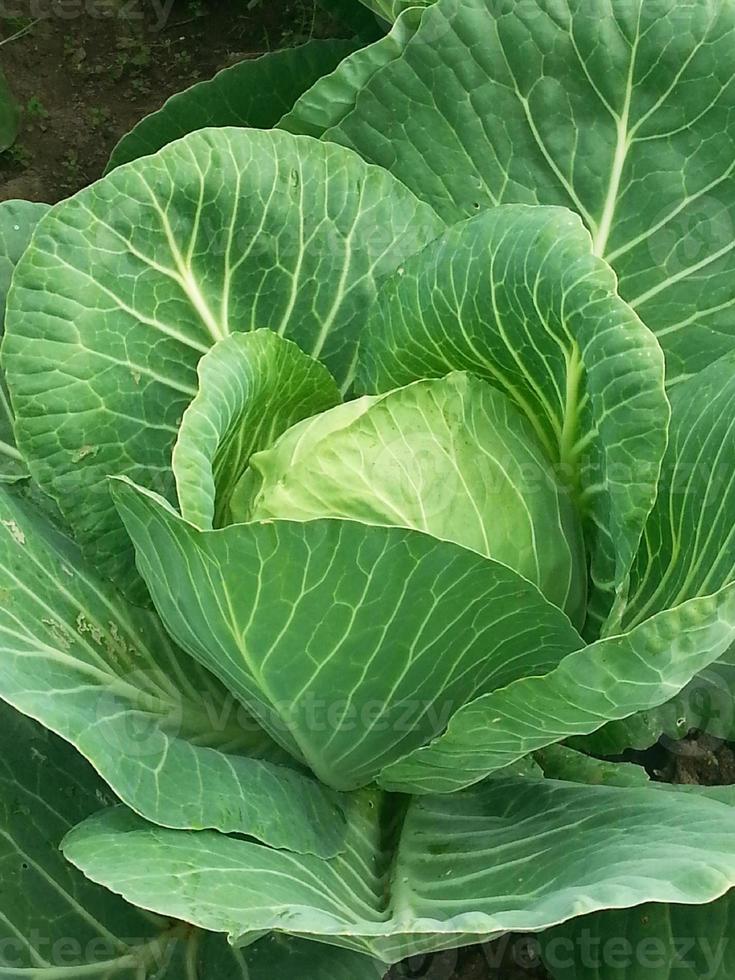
<point x="85" y="71"/>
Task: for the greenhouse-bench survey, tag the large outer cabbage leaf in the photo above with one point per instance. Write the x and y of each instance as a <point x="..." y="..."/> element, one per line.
<point x="610" y="679"/>
<point x="688" y="546"/>
<point x="17" y="221"/>
<point x="687" y="550"/>
<point x="513" y="854"/>
<point x="55" y="923"/>
<point x="51" y="915"/>
<point x="353" y="675"/>
<point x="162" y="731"/>
<point x="255" y="92"/>
<point x="621" y="112"/>
<point x="128" y="283"/>
<point x="326" y="103"/>
<point x="650" y="942"/>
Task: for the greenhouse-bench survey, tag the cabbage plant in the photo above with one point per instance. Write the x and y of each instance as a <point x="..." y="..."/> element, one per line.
<point x="366" y="480"/>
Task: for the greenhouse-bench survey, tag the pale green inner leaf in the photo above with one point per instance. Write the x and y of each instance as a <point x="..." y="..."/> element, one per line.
<point x="251" y="388"/>
<point x="453" y="458"/>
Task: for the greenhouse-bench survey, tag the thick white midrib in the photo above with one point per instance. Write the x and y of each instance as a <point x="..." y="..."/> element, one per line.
<point x="342" y="286"/>
<point x="622" y="147"/>
<point x="192" y="290"/>
<point x="621" y="152"/>
<point x="187" y="280"/>
<point x="7" y="450"/>
<point x="296" y="273"/>
<point x="227" y="275"/>
<point x="575" y="375"/>
<point x="5" y="408"/>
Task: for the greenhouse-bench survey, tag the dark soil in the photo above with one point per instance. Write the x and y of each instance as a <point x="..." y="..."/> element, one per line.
<point x="85" y="71"/>
<point x="699" y="760"/>
<point x="88" y="70"/>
